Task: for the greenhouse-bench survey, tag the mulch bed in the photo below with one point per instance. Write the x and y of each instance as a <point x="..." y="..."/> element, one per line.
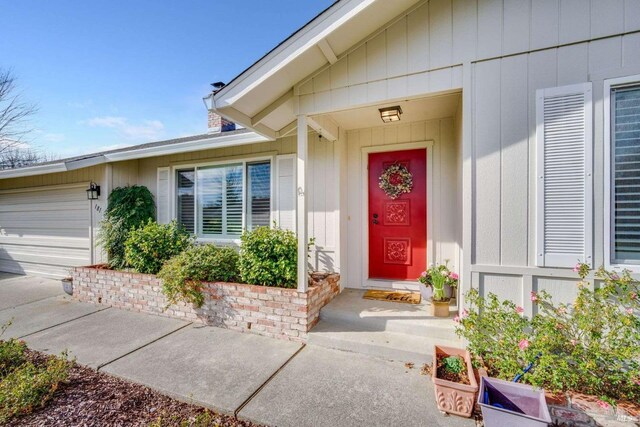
<point x="92" y="398"/>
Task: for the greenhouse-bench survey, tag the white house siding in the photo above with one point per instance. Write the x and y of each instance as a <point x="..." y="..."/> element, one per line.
<point x="498" y="52"/>
<point x="323" y="185"/>
<point x="445" y="200"/>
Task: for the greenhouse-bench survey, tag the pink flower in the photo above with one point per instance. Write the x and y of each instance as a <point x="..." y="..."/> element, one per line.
<point x="562" y="310"/>
<point x="574" y="342"/>
<point x="614" y="276"/>
<point x="629" y="310"/>
<point x="534" y="296"/>
<point x="523" y="344"/>
<point x="633" y="295"/>
<point x="603" y="404"/>
<point x="465" y="313"/>
<point x="423" y="274"/>
<point x="453" y="276"/>
<point x="456" y="319"/>
<point x="576" y="268"/>
<point x="519" y="310"/>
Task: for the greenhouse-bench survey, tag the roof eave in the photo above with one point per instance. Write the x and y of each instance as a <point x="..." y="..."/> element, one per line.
<point x="218" y="141"/>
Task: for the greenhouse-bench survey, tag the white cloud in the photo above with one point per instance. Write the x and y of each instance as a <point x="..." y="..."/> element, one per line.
<point x="54" y="137"/>
<point x="146" y="130"/>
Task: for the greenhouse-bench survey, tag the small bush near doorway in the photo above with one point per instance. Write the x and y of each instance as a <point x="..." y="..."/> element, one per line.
<point x="268" y="257"/>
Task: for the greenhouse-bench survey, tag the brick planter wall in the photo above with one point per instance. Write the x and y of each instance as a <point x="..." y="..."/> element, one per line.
<point x="274" y="312"/>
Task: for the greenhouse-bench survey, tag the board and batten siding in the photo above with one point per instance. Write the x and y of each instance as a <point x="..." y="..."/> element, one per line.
<point x="323" y="185"/>
<point x="499" y="52"/>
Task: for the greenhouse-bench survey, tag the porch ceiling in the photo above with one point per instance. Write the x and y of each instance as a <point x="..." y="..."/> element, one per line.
<point x="433" y="107"/>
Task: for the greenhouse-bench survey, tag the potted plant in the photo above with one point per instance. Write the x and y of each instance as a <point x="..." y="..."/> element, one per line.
<point x="435" y="280"/>
<point x="67" y="285"/>
<point x="454" y="381"/>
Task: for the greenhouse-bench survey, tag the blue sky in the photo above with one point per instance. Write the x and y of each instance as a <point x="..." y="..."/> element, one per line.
<point x="111" y="73"/>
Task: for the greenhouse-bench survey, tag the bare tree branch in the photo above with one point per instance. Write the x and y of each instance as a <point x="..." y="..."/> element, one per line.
<point x="14" y="112"/>
<point x="16" y="157"/>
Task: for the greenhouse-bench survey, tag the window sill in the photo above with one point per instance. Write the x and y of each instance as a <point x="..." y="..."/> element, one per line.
<point x="633" y="268"/>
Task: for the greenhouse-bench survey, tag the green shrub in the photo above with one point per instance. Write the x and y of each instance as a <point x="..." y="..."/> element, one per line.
<point x="590" y="346"/>
<point x="128" y="208"/>
<point x="11" y="352"/>
<point x="150" y="246"/>
<point x="268" y="256"/>
<point x="28" y="386"/>
<point x="182" y="275"/>
<point x="11" y="356"/>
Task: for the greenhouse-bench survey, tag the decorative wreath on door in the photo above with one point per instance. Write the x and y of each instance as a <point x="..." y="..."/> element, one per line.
<point x="396" y="180"/>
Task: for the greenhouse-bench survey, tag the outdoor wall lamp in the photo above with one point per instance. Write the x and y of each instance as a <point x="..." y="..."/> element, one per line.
<point x="93" y="192"/>
<point x="390" y="114"/>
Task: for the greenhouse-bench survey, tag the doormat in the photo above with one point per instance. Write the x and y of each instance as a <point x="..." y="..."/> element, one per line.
<point x="406" y="297"/>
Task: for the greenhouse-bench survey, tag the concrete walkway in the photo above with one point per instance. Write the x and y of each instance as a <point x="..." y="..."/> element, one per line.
<point x="261" y="379"/>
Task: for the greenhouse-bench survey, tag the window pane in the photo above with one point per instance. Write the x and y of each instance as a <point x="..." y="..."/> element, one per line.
<point x="259" y="209"/>
<point x="185" y="181"/>
<point x="234" y="200"/>
<point x="626" y="174"/>
<point x="210" y="200"/>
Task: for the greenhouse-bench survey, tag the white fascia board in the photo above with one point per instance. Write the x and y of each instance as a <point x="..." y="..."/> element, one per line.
<point x="305" y="39"/>
<point x="183" y="147"/>
<point x="33" y="170"/>
<point x="84" y="163"/>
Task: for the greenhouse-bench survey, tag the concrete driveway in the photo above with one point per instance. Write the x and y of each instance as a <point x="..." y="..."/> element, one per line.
<point x="267" y="381"/>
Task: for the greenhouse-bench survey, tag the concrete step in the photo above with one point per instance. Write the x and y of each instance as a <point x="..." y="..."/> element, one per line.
<point x="380" y="344"/>
<point x="350" y="309"/>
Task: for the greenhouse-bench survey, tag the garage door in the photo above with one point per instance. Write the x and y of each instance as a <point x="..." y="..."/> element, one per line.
<point x="44" y="231"/>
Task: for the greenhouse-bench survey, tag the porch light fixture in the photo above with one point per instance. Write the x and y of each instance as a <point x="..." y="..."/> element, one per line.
<point x="390" y="114"/>
<point x="93" y="192"/>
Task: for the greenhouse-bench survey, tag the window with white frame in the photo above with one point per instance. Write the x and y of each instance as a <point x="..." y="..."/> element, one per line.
<point x="624" y="167"/>
<point x="219" y="201"/>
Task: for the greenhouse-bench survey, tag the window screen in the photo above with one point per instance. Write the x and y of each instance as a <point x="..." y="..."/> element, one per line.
<point x="626" y="174"/>
<point x="259" y="195"/>
<point x="185" y="199"/>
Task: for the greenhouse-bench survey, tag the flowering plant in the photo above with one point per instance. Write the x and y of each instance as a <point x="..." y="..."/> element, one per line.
<point x="396" y="180"/>
<point x="591" y="345"/>
<point x="437" y="276"/>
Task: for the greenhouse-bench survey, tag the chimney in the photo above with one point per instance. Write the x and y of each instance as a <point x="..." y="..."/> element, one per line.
<point x="217" y="124"/>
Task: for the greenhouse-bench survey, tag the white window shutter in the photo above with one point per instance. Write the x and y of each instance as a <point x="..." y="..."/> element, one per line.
<point x="285" y="206"/>
<point x="564" y="175"/>
<point x="162" y="196"/>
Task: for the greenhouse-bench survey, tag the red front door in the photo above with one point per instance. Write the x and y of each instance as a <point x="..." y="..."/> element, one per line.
<point x="397" y="222"/>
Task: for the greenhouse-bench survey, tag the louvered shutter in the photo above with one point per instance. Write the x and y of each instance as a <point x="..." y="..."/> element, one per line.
<point x="564" y="176"/>
<point x="285" y="214"/>
<point x="163" y="196"/>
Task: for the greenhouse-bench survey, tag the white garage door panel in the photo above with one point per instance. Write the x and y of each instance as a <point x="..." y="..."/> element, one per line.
<point x="44" y="232"/>
<point x="52" y="271"/>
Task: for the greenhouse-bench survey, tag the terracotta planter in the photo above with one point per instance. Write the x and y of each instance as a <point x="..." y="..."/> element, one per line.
<point x="451" y="397"/>
<point x="440" y="308"/>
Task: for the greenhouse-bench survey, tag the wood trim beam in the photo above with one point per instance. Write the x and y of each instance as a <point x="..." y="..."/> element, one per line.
<point x="301" y="206"/>
<point x="259" y="117"/>
<point x="327" y="51"/>
<point x="325" y="127"/>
